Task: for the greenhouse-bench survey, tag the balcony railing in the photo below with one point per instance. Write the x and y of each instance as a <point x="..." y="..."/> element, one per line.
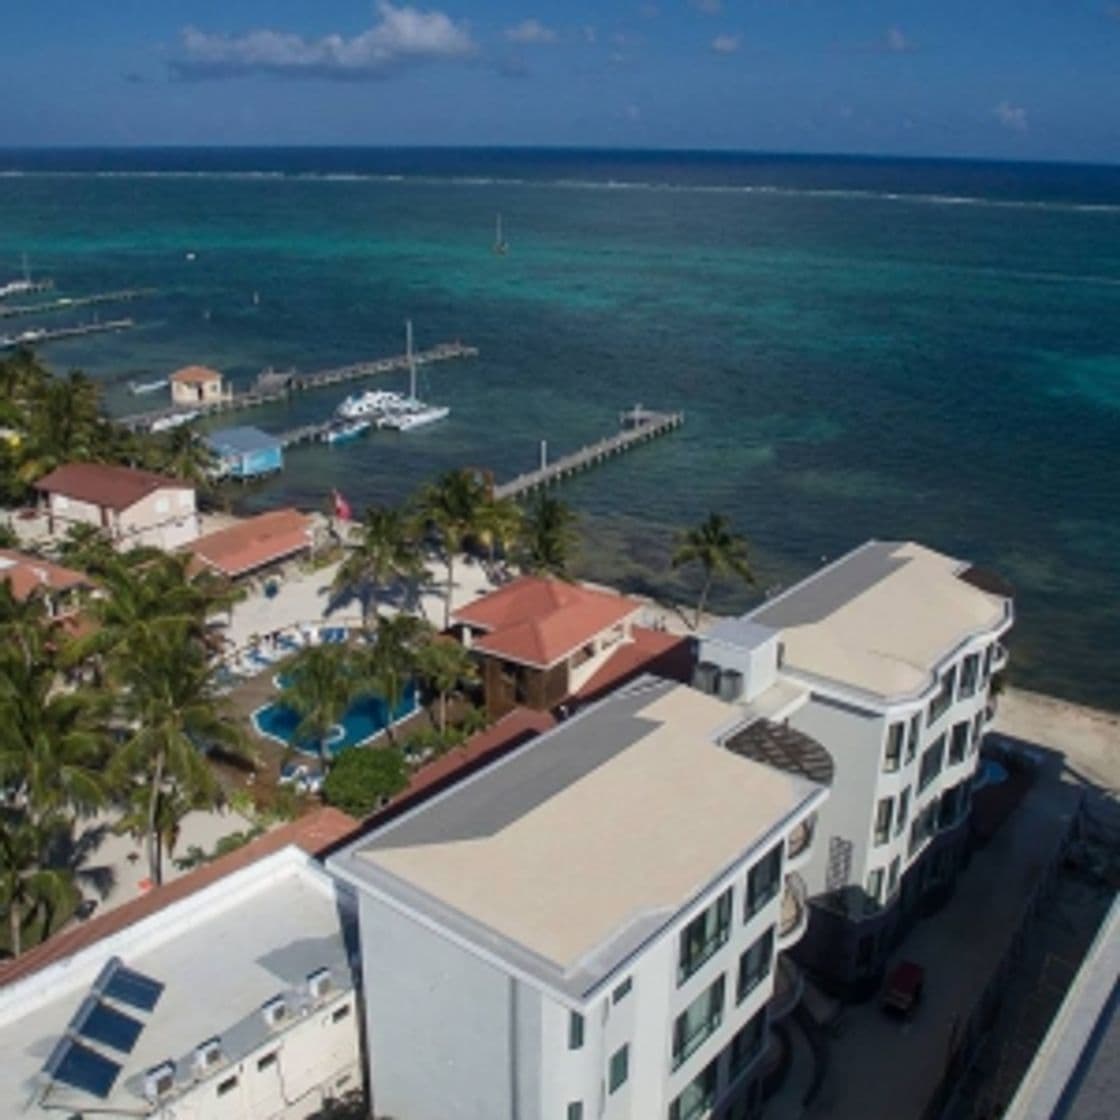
<point x="999" y="657"/>
<point x="801" y="838"/>
<point x="794" y="905"/>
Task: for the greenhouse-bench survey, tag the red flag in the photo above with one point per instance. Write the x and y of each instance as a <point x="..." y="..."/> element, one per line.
<point x="341" y="507"/>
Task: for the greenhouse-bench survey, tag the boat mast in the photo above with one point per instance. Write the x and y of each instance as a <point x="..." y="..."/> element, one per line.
<point x="26" y="270"/>
<point x="411" y="361"/>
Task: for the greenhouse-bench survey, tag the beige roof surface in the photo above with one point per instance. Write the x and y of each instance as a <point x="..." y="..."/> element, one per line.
<point x="563" y="863"/>
<point x="881" y="618"/>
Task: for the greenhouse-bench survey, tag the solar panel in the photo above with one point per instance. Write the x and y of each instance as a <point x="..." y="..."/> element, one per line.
<point x="113" y="1028"/>
<point x="133" y="988"/>
<point x="86" y="1070"/>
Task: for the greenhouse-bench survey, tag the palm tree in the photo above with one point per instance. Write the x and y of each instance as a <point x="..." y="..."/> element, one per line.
<point x="500" y="526"/>
<point x="717" y="549"/>
<point x="184" y="454"/>
<point x="27" y="879"/>
<point x="391" y="662"/>
<point x="443" y="664"/>
<point x="322" y="683"/>
<point x="169" y="697"/>
<point x="549" y="536"/>
<point x="65" y="425"/>
<point x="386" y="550"/>
<point x="87" y="547"/>
<point x="456" y="505"/>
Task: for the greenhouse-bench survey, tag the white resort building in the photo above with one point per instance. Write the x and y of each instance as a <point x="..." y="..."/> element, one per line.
<point x="226" y="995"/>
<point x="886" y="658"/>
<point x="594" y="926"/>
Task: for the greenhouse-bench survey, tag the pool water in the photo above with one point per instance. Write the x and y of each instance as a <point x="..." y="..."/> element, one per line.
<point x="366" y="717"/>
<point x="991" y="773"/>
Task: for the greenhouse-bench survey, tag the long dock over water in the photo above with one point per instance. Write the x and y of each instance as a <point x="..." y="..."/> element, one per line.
<point x="638" y="426"/>
<point x="278" y="387"/>
<point x="70" y="303"/>
<point x="41" y="337"/>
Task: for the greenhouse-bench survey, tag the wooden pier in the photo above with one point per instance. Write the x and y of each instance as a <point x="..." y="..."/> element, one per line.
<point x="638" y="426"/>
<point x="65" y="303"/>
<point x="41" y="337"/>
<point x="281" y="386"/>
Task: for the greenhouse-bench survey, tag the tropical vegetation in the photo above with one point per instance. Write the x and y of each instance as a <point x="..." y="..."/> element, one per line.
<point x="717" y="550"/>
<point x="361" y="781"/>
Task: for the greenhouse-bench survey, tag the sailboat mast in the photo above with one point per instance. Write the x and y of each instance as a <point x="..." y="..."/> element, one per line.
<point x="26" y="270"/>
<point x="411" y="361"/>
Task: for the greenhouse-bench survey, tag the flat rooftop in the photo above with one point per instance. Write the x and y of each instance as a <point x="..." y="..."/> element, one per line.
<point x="881" y="618"/>
<point x="564" y="857"/>
<point x="219" y="956"/>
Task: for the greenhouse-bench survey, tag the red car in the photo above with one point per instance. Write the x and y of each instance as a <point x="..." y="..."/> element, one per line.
<point x="903" y="990"/>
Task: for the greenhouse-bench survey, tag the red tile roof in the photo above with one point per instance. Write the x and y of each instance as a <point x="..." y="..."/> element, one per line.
<point x="26" y="574"/>
<point x="254" y="542"/>
<point x="194" y="375"/>
<point x="314" y="833"/>
<point x="540" y="621"/>
<point x="103" y="484"/>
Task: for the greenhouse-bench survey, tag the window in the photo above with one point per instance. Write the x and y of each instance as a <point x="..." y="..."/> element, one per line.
<point x="892" y="877"/>
<point x="952" y="806"/>
<point x="340" y="1013"/>
<point x="704" y="935"/>
<point x="754" y="965"/>
<point x="977" y="730"/>
<point x="875" y="885"/>
<point x="884" y="814"/>
<point x="267" y="1062"/>
<point x="619" y="1069"/>
<point x="987" y="664"/>
<point x="958" y="742"/>
<point x="623" y="990"/>
<point x="698" y="1096"/>
<point x="763" y="882"/>
<point x="227" y="1086"/>
<point x="575" y="1031"/>
<point x="895" y="734"/>
<point x="903" y="810"/>
<point x="697" y="1022"/>
<point x="932" y="757"/>
<point x="747" y="1043"/>
<point x="944" y="696"/>
<point x="575" y="1110"/>
<point x="913" y="737"/>
<point x="970" y="671"/>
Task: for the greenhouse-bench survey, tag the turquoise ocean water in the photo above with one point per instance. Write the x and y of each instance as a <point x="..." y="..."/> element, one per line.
<point x="862" y="348"/>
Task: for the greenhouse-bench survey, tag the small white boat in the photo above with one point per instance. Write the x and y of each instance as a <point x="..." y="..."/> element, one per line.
<point x="373" y="403"/>
<point x="341" y="431"/>
<point x="175" y="420"/>
<point x="138" y="387"/>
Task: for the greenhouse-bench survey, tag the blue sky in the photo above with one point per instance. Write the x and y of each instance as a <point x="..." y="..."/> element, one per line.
<point x="1020" y="79"/>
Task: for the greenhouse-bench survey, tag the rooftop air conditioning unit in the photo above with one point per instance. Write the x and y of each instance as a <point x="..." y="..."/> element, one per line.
<point x="207" y="1055"/>
<point x="275" y="1012"/>
<point x="159" y="1081"/>
<point x="319" y="983"/>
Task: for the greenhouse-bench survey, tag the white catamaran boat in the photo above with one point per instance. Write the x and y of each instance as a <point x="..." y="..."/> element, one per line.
<point x="175" y="420"/>
<point x="23" y="286"/>
<point x="136" y="388"/>
<point x="341" y="431"/>
<point x="373" y="403"/>
<point x="412" y="412"/>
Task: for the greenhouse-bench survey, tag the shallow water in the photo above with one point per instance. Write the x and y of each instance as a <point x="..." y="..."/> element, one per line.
<point x="862" y="348"/>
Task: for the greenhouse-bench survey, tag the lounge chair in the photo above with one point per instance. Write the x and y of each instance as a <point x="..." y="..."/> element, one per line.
<point x="290" y="642"/>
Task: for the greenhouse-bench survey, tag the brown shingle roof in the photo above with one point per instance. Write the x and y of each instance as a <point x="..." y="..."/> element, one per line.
<point x="103" y="484"/>
<point x="314" y="833"/>
<point x="195" y="375"/>
<point x="254" y="542"/>
<point x="539" y="621"/>
<point x="26" y="574"/>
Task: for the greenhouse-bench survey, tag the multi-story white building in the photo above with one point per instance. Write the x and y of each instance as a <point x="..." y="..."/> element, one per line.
<point x="886" y="658"/>
<point x="593" y="926"/>
<point x="235" y="1001"/>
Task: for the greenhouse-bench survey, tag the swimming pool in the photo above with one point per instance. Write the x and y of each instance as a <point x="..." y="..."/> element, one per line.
<point x="365" y="719"/>
<point x="990" y="773"/>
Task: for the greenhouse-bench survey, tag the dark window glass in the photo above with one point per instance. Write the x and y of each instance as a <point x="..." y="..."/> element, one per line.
<point x="620" y="1068"/>
<point x="754" y="964"/>
<point x="575" y="1030"/>
<point x="704" y="935"/>
<point x="932" y="758"/>
<point x="763" y="881"/>
<point x="893" y="756"/>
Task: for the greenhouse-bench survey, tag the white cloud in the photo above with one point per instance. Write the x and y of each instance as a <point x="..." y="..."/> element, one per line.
<point x="725" y="44"/>
<point x="400" y="36"/>
<point x="531" y="31"/>
<point x="896" y="42"/>
<point x="1011" y="116"/>
<point x="709" y="7"/>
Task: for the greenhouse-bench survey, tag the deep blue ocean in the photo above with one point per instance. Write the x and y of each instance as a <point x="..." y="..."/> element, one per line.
<point x="888" y="348"/>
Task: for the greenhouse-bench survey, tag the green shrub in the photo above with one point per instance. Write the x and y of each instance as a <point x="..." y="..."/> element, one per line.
<point x="360" y="780"/>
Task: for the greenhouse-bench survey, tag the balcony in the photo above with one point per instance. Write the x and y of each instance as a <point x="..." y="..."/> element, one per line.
<point x="789" y="986"/>
<point x="795" y="910"/>
<point x="800" y="842"/>
<point x="999" y="657"/>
